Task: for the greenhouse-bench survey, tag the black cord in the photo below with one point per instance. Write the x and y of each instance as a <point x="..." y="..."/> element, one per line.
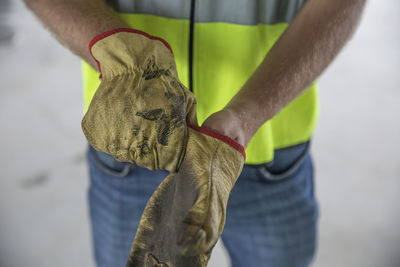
<point x="191" y="37"/>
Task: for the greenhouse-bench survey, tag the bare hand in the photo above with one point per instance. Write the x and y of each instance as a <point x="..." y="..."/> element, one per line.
<point x="228" y="123"/>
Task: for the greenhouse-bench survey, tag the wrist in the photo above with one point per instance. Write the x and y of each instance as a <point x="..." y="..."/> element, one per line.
<point x="228" y="123"/>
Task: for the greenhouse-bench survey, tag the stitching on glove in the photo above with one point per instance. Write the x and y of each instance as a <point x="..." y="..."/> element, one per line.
<point x="156" y="262"/>
<point x="210" y="187"/>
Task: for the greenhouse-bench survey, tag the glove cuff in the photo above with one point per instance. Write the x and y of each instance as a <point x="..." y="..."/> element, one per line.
<point x="125" y="46"/>
<point x="111" y="32"/>
<point x="227" y="140"/>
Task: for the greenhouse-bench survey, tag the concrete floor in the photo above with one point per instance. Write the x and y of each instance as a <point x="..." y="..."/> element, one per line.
<point x="43" y="179"/>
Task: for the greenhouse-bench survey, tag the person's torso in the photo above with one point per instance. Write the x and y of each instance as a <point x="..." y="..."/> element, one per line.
<point x="217" y="46"/>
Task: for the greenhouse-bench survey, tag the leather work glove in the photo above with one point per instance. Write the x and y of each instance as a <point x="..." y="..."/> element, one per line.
<point x="185" y="215"/>
<point x="138" y="114"/>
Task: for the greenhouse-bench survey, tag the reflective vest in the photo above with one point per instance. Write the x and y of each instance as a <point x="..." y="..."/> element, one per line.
<point x="217" y="46"/>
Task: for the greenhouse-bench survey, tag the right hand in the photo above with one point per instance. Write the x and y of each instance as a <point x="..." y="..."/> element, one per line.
<point x="139" y="112"/>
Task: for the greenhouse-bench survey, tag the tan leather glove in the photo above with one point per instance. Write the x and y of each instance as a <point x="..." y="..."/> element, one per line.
<point x="186" y="214"/>
<point x="138" y="114"/>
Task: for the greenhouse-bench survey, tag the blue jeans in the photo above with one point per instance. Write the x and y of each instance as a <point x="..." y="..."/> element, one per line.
<point x="271" y="215"/>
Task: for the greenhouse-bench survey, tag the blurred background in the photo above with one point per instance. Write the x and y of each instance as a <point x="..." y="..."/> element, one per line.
<point x="43" y="176"/>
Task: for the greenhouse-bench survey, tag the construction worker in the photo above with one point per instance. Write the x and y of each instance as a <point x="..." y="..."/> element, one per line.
<point x="243" y="70"/>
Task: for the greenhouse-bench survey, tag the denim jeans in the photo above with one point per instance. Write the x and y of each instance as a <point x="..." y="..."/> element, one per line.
<point x="271" y="215"/>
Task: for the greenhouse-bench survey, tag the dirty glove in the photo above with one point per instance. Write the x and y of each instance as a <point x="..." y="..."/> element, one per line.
<point x="185" y="215"/>
<point x="138" y="114"/>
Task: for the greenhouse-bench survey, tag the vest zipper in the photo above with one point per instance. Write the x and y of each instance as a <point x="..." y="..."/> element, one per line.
<point x="191" y="37"/>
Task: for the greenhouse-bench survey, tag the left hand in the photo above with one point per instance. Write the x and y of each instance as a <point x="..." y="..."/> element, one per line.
<point x="186" y="214"/>
<point x="228" y="123"/>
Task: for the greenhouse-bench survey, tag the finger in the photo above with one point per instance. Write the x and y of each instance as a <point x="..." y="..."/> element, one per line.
<point x="196" y="234"/>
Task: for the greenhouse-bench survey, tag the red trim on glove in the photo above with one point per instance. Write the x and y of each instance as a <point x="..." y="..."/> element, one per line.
<point x="221" y="137"/>
<point x="111" y="32"/>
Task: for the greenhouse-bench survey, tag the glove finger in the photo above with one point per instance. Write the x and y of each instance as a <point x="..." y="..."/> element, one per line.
<point x="192" y="241"/>
<point x="153" y="225"/>
<point x="197" y="233"/>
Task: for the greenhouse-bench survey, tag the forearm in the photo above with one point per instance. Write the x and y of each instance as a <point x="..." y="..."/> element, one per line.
<point x="305" y="49"/>
<point x="76" y="22"/>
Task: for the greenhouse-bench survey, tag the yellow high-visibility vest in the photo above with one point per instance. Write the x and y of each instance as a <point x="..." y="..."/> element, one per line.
<point x="217" y="46"/>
